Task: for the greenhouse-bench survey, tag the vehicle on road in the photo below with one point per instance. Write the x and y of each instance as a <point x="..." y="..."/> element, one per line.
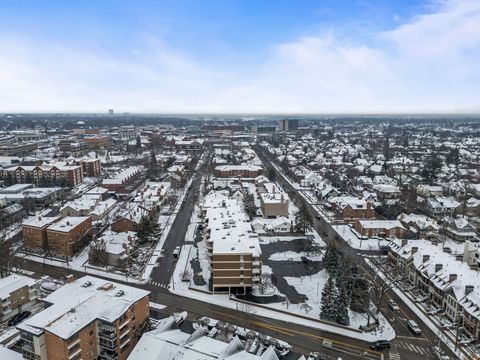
<point x="176" y="252"/>
<point x="393" y="305"/>
<point x="19" y="317"/>
<point x="412" y="325"/>
<point x="380" y="345"/>
<point x="318" y="216"/>
<point x="439" y="354"/>
<point x="305" y="260"/>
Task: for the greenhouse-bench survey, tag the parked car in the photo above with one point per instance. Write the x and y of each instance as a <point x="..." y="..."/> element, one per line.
<point x="380" y="345"/>
<point x="393" y="305"/>
<point x="412" y="325"/>
<point x="176" y="252"/>
<point x="19" y="317"/>
<point x="440" y="354"/>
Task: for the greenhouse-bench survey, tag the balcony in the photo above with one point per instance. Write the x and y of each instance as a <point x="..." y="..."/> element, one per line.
<point x="28" y="352"/>
<point x="107" y="335"/>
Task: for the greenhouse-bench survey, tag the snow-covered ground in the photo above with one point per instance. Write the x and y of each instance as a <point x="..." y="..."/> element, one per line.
<point x="294" y="256"/>
<point x="350" y="236"/>
<point x="307" y="285"/>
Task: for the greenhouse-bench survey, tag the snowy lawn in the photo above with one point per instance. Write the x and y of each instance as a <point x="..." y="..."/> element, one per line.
<point x="351" y="237"/>
<point x="293" y="256"/>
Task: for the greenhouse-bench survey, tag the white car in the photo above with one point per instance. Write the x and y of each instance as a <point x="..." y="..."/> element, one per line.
<point x="414" y="327"/>
<point x="393" y="305"/>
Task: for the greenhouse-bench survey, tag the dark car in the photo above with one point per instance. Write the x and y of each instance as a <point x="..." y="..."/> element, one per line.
<point x="380" y="345"/>
<point x="19" y="317"/>
<point x="306" y="260"/>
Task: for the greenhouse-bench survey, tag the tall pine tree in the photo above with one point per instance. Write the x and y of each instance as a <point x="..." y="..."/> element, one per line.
<point x="329" y="294"/>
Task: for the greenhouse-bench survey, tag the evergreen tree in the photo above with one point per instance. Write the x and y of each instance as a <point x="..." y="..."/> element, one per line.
<point x="341" y="303"/>
<point x="249" y="204"/>
<point x="329" y="293"/>
<point x="330" y="259"/>
<point x="271" y="174"/>
<point x="303" y="220"/>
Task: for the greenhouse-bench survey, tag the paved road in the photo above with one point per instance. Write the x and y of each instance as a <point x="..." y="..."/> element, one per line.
<point x="302" y="338"/>
<point x="418" y="345"/>
<point x="162" y="273"/>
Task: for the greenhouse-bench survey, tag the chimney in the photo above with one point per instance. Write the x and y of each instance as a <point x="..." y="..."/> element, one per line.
<point x="426" y="258"/>
<point x="438" y="267"/>
<point x="69" y="278"/>
<point x="452" y="277"/>
<point x="468" y="289"/>
<point x="414" y="249"/>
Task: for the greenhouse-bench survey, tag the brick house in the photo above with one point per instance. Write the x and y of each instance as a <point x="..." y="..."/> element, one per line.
<point x="380" y="228"/>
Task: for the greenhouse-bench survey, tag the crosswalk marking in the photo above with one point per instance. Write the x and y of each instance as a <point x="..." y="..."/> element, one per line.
<point x="394" y="355"/>
<point x="410" y="347"/>
<point x="156" y="283"/>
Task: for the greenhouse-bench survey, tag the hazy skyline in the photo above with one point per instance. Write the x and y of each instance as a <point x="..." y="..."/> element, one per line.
<point x="240" y="56"/>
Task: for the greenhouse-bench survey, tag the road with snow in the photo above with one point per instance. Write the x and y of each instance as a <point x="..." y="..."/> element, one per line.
<point x="405" y="346"/>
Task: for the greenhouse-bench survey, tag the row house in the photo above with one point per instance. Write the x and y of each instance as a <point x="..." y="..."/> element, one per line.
<point x="235" y="171"/>
<point x="448" y="284"/>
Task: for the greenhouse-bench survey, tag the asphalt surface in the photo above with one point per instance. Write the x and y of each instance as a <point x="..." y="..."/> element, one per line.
<point x="420" y="346"/>
<point x="302" y="338"/>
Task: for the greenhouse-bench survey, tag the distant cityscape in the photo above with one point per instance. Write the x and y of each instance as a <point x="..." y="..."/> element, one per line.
<point x="267" y="237"/>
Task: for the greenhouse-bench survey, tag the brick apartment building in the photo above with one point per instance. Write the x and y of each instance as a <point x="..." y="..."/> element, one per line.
<point x="98" y="142"/>
<point x="71" y="175"/>
<point x="235" y="254"/>
<point x="17" y="293"/>
<point x="64" y="235"/>
<point x="34" y="231"/>
<point x="273" y="201"/>
<point x="123" y="182"/>
<point x="235" y="171"/>
<point x="87" y="319"/>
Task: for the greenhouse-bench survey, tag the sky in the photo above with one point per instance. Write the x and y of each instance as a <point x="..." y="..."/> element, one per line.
<point x="240" y="56"/>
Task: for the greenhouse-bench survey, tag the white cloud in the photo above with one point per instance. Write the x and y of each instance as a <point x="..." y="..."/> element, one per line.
<point x="428" y="65"/>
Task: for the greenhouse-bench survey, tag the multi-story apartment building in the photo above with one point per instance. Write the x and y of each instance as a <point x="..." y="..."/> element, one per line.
<point x="53" y="173"/>
<point x="23" y="149"/>
<point x="235" y="254"/>
<point x="17" y="293"/>
<point x="87" y="319"/>
<point x="34" y="231"/>
<point x="64" y="235"/>
<point x="98" y="142"/>
<point x="124" y="181"/>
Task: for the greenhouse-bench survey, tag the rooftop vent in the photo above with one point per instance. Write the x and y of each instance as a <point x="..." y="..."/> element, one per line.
<point x="120" y="293"/>
<point x="86" y="284"/>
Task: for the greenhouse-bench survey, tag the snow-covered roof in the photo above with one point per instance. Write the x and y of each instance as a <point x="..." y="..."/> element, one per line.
<point x="12" y="283"/>
<point x="380" y="224"/>
<point x="67" y="223"/>
<point x="230" y="230"/>
<point x="76" y="305"/>
<point x="168" y="342"/>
